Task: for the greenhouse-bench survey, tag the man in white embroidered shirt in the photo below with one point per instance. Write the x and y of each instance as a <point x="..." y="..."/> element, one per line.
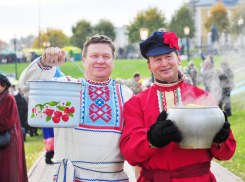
<point x="89" y="152"/>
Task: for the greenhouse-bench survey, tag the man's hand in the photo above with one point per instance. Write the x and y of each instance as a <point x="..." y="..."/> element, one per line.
<point x="54" y="56"/>
<point x="224" y="132"/>
<point x="163" y="131"/>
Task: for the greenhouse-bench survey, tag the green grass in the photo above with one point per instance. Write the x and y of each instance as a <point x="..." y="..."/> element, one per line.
<point x="34" y="147"/>
<point x="237" y="164"/>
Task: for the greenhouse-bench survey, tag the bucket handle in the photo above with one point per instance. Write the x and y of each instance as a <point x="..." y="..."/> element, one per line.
<point x="66" y="59"/>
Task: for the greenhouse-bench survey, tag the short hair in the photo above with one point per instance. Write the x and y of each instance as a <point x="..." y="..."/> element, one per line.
<point x="3" y="84"/>
<point x="190" y="63"/>
<point x="136" y="74"/>
<point x="98" y="39"/>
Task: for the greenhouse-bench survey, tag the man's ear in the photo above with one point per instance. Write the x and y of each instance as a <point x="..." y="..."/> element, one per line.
<point x="149" y="65"/>
<point x="83" y="59"/>
<point x="179" y="60"/>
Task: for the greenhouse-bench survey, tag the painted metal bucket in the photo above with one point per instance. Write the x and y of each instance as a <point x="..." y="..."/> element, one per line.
<point x="54" y="103"/>
<point x="198" y="125"/>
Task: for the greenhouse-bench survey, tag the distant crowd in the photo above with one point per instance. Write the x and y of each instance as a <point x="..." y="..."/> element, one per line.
<point x="20" y="57"/>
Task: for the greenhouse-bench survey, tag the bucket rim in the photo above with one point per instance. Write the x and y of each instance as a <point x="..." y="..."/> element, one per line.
<point x="54" y="81"/>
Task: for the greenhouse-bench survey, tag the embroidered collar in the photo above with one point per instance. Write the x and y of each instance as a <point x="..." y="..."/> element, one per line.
<point x="168" y="86"/>
<point x="97" y="83"/>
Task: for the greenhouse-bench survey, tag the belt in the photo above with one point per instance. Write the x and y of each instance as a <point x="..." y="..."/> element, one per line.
<point x="66" y="170"/>
<point x="183" y="172"/>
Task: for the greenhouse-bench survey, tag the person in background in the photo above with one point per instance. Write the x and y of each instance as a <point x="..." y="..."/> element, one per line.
<point x="209" y="57"/>
<point x="12" y="157"/>
<point x="193" y="72"/>
<point x="208" y="75"/>
<point x="186" y="74"/>
<point x="22" y="111"/>
<point x="150" y="140"/>
<point x="226" y="84"/>
<point x="134" y="83"/>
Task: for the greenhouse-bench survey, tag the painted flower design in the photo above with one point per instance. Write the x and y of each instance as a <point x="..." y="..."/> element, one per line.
<point x="99" y="102"/>
<point x="54" y="111"/>
<point x="171" y="39"/>
<point x="46" y="107"/>
<point x="38" y="109"/>
<point x="62" y="103"/>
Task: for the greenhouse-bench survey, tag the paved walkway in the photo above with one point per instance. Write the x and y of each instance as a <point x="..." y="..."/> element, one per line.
<point x="41" y="172"/>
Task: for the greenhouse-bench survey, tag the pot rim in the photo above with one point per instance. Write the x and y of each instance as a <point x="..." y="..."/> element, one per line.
<point x="184" y="107"/>
<point x="53" y="81"/>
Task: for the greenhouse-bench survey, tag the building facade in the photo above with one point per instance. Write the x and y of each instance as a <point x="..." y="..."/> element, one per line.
<point x="202" y="13"/>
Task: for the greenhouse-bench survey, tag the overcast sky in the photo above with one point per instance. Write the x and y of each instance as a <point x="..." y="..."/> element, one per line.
<point x="20" y="17"/>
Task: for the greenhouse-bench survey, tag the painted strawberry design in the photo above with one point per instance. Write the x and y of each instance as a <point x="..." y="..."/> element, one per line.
<point x="49" y="112"/>
<point x="65" y="117"/>
<point x="72" y="110"/>
<point x="56" y="119"/>
<point x="58" y="114"/>
<point x="33" y="110"/>
<point x="67" y="110"/>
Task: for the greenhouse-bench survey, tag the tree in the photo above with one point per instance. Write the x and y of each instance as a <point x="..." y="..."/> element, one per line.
<point x="55" y="37"/>
<point x="152" y="18"/>
<point x="81" y="32"/>
<point x="219" y="17"/>
<point x="181" y="18"/>
<point x="105" y="27"/>
<point x="238" y="12"/>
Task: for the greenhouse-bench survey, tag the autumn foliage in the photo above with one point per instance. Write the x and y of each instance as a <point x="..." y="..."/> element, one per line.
<point x="219" y="17"/>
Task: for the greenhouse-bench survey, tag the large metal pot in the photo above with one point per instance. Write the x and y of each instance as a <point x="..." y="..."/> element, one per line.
<point x="198" y="125"/>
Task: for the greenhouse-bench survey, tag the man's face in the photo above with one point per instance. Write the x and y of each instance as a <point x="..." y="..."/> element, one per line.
<point x="99" y="62"/>
<point x="165" y="67"/>
<point x="137" y="78"/>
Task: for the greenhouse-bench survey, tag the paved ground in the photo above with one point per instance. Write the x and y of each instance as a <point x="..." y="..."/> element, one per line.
<point x="41" y="172"/>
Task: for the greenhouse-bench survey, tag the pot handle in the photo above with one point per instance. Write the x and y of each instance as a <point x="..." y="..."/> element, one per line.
<point x="66" y="59"/>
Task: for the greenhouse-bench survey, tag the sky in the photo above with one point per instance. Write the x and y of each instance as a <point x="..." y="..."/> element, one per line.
<point x="20" y="18"/>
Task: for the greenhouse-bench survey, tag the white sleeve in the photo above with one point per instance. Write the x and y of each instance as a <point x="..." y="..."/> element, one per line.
<point x="127" y="93"/>
<point x="35" y="72"/>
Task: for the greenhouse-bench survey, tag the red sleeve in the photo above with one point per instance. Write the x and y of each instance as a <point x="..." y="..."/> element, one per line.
<point x="8" y="112"/>
<point x="134" y="144"/>
<point x="227" y="149"/>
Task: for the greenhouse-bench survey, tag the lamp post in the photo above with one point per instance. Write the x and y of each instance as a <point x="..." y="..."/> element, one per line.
<point x="22" y="45"/>
<point x="187" y="31"/>
<point x="15" y="59"/>
<point x="46" y="45"/>
<point x="143" y="36"/>
<point x="240" y="23"/>
<point x="143" y="33"/>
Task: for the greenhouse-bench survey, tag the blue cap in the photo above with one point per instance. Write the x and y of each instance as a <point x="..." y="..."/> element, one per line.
<point x="159" y="43"/>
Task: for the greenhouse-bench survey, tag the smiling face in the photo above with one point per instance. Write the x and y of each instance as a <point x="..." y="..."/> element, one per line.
<point x="165" y="67"/>
<point x="99" y="62"/>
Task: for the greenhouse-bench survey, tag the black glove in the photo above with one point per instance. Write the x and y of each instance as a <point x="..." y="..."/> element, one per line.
<point x="224" y="132"/>
<point x="163" y="131"/>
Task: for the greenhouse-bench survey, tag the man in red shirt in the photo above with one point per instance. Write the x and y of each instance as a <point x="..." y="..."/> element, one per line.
<point x="149" y="140"/>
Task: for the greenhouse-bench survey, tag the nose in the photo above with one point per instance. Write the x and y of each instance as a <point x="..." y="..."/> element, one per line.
<point x="100" y="60"/>
<point x="163" y="62"/>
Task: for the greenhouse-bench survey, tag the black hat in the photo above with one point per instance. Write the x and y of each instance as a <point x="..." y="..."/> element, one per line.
<point x="159" y="43"/>
<point x="5" y="79"/>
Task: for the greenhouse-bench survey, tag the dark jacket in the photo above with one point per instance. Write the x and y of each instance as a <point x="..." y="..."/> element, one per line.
<point x="22" y="109"/>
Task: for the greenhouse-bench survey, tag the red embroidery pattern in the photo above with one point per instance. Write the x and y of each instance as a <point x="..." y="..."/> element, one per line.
<point x="175" y="98"/>
<point x="96" y="92"/>
<point x="96" y="112"/>
<point x="164" y="105"/>
<point x="97" y="83"/>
